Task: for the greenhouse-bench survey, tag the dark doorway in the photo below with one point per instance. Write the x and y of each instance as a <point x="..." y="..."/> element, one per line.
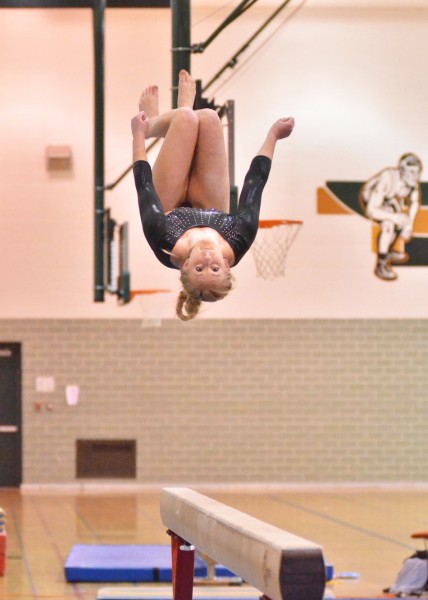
<point x="10" y="415"/>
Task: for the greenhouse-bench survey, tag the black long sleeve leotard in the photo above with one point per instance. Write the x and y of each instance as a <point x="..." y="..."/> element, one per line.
<point x="163" y="231"/>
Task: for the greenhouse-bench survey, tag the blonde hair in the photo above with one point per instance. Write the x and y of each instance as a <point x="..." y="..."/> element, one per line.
<point x="191" y="298"/>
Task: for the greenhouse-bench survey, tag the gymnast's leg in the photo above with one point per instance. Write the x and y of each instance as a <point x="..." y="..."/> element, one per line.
<point x="179" y="127"/>
<point x="209" y="185"/>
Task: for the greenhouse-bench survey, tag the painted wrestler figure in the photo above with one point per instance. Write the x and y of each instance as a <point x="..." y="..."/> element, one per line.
<point x="392" y="198"/>
<point x="184" y="200"/>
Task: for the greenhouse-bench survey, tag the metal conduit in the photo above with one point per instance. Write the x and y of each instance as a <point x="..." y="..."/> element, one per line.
<point x="98" y="24"/>
<point x="180" y="42"/>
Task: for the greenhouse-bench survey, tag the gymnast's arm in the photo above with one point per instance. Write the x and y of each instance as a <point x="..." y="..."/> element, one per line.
<point x="251" y="197"/>
<point x="151" y="212"/>
<point x="152" y="216"/>
<point x="256" y="178"/>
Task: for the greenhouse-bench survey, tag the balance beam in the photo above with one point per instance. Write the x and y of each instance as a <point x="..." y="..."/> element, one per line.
<point x="281" y="565"/>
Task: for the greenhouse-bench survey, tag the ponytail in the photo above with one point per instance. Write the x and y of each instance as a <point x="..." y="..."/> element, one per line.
<point x="189" y="303"/>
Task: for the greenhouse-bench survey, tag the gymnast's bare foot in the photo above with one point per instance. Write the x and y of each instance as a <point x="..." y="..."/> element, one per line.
<point x="186" y="89"/>
<point x="149" y="101"/>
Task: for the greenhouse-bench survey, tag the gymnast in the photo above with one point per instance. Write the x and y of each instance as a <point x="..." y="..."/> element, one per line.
<point x="184" y="201"/>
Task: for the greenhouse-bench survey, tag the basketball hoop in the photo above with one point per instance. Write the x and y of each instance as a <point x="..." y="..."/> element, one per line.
<point x="270" y="248"/>
<point x="155" y="304"/>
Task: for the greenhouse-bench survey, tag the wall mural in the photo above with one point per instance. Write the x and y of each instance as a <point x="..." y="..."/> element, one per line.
<point x="396" y="202"/>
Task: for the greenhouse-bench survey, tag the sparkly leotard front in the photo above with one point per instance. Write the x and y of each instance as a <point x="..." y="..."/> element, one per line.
<point x="163" y="231"/>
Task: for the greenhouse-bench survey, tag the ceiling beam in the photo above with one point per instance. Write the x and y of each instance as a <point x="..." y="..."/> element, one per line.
<point x="83" y="4"/>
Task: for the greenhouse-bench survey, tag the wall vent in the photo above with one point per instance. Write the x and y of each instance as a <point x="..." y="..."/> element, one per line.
<point x="106" y="458"/>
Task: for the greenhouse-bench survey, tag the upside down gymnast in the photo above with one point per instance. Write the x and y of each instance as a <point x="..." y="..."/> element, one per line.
<point x="184" y="200"/>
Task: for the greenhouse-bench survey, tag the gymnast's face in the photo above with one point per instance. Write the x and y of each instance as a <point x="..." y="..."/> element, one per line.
<point x="206" y="267"/>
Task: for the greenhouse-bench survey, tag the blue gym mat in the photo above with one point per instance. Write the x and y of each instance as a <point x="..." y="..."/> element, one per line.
<point x="133" y="564"/>
<point x="147" y="593"/>
<point x="127" y="563"/>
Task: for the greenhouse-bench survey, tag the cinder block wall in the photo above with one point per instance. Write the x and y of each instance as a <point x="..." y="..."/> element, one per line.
<point x="230" y="400"/>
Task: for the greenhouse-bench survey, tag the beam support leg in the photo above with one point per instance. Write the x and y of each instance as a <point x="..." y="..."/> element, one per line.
<point x="183" y="567"/>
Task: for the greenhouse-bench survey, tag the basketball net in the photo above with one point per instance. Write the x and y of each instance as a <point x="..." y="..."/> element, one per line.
<point x="270" y="248"/>
<point x="155" y="306"/>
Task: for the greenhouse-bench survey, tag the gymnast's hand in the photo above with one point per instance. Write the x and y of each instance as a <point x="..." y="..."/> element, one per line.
<point x="140" y="129"/>
<point x="140" y="124"/>
<point x="283" y="127"/>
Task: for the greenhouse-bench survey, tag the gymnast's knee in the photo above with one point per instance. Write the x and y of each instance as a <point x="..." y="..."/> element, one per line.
<point x="187" y="116"/>
<point x="208" y="116"/>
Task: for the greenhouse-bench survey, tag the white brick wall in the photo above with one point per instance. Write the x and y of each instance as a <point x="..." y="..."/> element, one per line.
<point x="230" y="401"/>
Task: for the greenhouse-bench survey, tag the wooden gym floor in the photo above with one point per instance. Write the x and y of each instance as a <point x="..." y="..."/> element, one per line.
<point x="364" y="531"/>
